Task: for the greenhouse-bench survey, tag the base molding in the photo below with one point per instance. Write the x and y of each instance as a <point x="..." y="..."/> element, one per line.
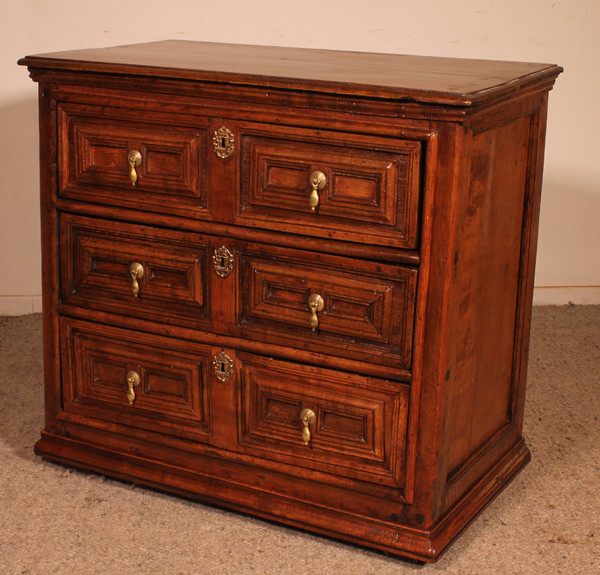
<point x="474" y="501"/>
<point x="397" y="540"/>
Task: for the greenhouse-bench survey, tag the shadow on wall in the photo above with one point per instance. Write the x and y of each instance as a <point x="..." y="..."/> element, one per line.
<point x="19" y="141"/>
<point x="569" y="234"/>
<point x="20" y="274"/>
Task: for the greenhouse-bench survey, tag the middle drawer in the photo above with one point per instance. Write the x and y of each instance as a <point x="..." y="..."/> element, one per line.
<point x="266" y="297"/>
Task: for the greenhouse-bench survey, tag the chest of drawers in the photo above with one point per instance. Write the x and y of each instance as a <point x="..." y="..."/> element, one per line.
<point x="295" y="283"/>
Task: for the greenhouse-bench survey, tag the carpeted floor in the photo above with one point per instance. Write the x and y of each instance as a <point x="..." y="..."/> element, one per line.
<point x="547" y="522"/>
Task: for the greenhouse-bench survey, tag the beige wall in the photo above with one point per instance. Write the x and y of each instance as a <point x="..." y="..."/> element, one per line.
<point x="566" y="32"/>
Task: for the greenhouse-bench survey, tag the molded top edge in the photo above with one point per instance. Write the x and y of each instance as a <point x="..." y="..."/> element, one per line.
<point x="426" y="79"/>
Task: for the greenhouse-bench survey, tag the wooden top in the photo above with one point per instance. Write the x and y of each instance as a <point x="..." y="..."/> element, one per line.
<point x="450" y="81"/>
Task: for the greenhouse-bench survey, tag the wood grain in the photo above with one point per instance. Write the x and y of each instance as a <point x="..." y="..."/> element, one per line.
<point x="450" y="81"/>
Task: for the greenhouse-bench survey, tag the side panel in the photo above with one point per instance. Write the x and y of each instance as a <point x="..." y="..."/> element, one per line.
<point x="483" y="406"/>
<point x="50" y="246"/>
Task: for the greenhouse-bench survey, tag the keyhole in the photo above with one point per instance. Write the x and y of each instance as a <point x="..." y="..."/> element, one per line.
<point x="222" y="367"/>
<point x="223" y="142"/>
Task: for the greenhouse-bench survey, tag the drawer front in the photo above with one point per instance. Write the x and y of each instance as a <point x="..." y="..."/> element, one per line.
<point x="367" y="308"/>
<point x="169" y="393"/>
<point x="172" y="175"/>
<point x="359" y="426"/>
<point x="369" y="191"/>
<point x="170" y="286"/>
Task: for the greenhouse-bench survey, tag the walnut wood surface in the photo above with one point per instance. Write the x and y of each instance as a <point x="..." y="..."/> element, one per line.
<point x="422" y="249"/>
<point x="422" y="78"/>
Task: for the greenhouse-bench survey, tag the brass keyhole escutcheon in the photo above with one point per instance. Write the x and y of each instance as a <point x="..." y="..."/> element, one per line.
<point x="315" y="305"/>
<point x="135" y="161"/>
<point x="133" y="380"/>
<point x="307" y="418"/>
<point x="223" y="366"/>
<point x="223" y="261"/>
<point x="136" y="272"/>
<point x="223" y="142"/>
<point x="317" y="182"/>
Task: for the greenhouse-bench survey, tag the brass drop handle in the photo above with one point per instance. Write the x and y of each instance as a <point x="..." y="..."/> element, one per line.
<point x="317" y="182"/>
<point x="307" y="418"/>
<point x="136" y="272"/>
<point x="315" y="305"/>
<point x="135" y="160"/>
<point x="133" y="380"/>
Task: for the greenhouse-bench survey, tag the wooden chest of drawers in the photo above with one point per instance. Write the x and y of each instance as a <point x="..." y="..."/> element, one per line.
<point x="293" y="283"/>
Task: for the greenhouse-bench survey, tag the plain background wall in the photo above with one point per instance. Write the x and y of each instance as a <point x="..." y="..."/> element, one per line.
<point x="565" y="32"/>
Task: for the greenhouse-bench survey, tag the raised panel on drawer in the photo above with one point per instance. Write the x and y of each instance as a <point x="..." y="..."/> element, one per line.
<point x="94" y="147"/>
<point x="370" y="196"/>
<point x="95" y="274"/>
<point x="173" y="394"/>
<point x="368" y="310"/>
<point x="360" y="427"/>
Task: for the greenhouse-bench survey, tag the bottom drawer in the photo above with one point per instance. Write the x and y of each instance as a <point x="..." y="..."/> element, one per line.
<point x="355" y="429"/>
<point x="304" y="421"/>
<point x="138" y="380"/>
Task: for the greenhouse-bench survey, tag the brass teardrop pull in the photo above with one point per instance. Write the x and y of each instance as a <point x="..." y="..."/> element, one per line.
<point x="135" y="160"/>
<point x="136" y="272"/>
<point x="317" y="182"/>
<point x="133" y="380"/>
<point x="315" y="305"/>
<point x="307" y="418"/>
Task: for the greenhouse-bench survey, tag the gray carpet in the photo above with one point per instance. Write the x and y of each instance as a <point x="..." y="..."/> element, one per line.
<point x="547" y="522"/>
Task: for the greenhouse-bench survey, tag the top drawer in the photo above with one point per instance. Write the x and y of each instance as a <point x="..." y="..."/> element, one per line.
<point x="353" y="187"/>
<point x="171" y="174"/>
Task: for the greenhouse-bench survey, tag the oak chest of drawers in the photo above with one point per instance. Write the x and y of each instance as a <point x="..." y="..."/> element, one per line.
<point x="295" y="283"/>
